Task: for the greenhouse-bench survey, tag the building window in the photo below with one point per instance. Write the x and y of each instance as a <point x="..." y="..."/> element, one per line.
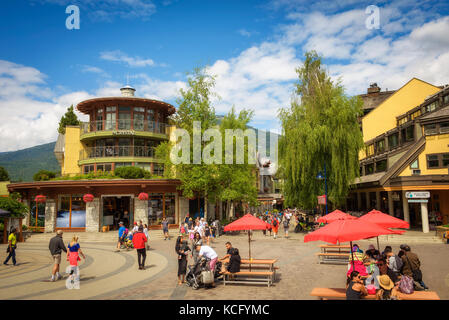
<point x="445" y="158"/>
<point x="105" y="167"/>
<point x="158" y="169"/>
<point x="430" y="129"/>
<point x="370" y="150"/>
<point x="414" y="164"/>
<point x="88" y="168"/>
<point x="71" y="211"/>
<point x="415" y="114"/>
<point x="369" y="169"/>
<point x="446" y="99"/>
<point x="431" y="107"/>
<point x="139" y="118"/>
<point x="110" y="118"/>
<point x="402" y="121"/>
<point x="393" y="141"/>
<point x="444" y="127"/>
<point x="408" y="134"/>
<point x="124" y="118"/>
<point x="381" y="166"/>
<point x="99" y="119"/>
<point x="432" y="161"/>
<point x="144" y="165"/>
<point x="380" y="146"/>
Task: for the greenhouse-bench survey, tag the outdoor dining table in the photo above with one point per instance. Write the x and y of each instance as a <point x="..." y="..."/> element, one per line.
<point x="269" y="263"/>
<point x="329" y="248"/>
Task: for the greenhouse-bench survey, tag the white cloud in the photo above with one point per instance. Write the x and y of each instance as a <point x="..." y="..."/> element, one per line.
<point x="119" y="56"/>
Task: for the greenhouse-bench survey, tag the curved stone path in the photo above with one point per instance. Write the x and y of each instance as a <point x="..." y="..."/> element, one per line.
<point x="109" y="275"/>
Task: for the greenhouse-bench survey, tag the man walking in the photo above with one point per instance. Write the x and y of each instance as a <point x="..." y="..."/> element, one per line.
<point x="56" y="246"/>
<point x="121" y="235"/>
<point x="139" y="240"/>
<point x="165" y="228"/>
<point x="286" y="223"/>
<point x="411" y="266"/>
<point x="12" y="240"/>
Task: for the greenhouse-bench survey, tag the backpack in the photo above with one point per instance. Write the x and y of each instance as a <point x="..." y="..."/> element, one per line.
<point x="275" y="222"/>
<point x="399" y="262"/>
<point x="406" y="285"/>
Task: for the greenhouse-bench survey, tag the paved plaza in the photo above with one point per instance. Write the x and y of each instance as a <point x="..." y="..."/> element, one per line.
<point x="110" y="275"/>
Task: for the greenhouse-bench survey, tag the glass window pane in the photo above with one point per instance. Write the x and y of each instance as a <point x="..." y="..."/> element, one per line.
<point x="170" y="207"/>
<point x="63" y="216"/>
<point x="78" y="217"/>
<point x="124" y="121"/>
<point x="432" y="161"/>
<point x="414" y="164"/>
<point x="139" y="121"/>
<point x="381" y="166"/>
<point x="445" y="159"/>
<point x="155" y="209"/>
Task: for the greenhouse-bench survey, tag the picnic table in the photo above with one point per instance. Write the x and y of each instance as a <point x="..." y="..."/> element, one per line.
<point x="261" y="271"/>
<point x="335" y="254"/>
<point x="340" y="293"/>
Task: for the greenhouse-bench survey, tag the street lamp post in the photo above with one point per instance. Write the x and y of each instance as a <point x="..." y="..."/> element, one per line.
<point x="320" y="177"/>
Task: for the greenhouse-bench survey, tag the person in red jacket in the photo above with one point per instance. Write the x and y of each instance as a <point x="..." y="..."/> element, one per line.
<point x="139" y="240"/>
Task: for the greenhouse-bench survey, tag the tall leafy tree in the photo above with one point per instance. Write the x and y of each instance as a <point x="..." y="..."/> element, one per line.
<point x="237" y="181"/>
<point x="320" y="130"/>
<point x="68" y="119"/>
<point x="4" y="176"/>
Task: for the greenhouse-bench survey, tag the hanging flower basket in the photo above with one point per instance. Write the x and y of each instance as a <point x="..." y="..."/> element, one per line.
<point x="88" y="197"/>
<point x="40" y="199"/>
<point x="143" y="196"/>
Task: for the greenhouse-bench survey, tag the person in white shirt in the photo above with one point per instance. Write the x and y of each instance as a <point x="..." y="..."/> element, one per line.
<point x="207" y="252"/>
<point x="147" y="234"/>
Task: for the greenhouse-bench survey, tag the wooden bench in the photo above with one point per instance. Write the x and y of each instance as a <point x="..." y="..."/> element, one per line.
<point x="249" y="277"/>
<point x="340" y="293"/>
<point x="333" y="257"/>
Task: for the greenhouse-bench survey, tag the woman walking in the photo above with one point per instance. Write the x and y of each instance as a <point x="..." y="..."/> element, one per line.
<point x="181" y="249"/>
<point x="139" y="241"/>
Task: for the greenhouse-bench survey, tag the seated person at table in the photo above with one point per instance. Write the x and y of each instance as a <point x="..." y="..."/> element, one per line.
<point x="234" y="261"/>
<point x="384" y="270"/>
<point x="359" y="262"/>
<point x="225" y="259"/>
<point x="384" y="253"/>
<point x="372" y="252"/>
<point x="355" y="288"/>
<point x="388" y="290"/>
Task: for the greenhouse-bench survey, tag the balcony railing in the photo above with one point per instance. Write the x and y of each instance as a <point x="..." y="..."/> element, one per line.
<point x="136" y="125"/>
<point x="120" y="151"/>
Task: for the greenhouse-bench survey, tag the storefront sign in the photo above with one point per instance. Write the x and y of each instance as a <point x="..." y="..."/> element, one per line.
<point x="396" y="197"/>
<point x="418" y="200"/>
<point x="124" y="133"/>
<point x="417" y="194"/>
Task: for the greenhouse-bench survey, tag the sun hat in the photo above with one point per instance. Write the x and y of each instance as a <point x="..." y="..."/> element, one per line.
<point x="385" y="282"/>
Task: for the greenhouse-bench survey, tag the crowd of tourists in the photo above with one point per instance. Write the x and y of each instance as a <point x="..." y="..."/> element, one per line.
<point x="383" y="274"/>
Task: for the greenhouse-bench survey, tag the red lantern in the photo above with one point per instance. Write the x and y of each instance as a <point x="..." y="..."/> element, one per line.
<point x="143" y="196"/>
<point x="88" y="197"/>
<point x="40" y="199"/>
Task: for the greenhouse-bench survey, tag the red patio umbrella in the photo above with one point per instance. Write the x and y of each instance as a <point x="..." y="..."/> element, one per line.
<point x="247" y="222"/>
<point x="347" y="230"/>
<point x="384" y="220"/>
<point x="334" y="216"/>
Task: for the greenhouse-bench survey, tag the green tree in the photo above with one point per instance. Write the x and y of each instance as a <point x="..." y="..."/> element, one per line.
<point x="17" y="209"/>
<point x="44" y="175"/>
<point x="237" y="181"/>
<point x="68" y="119"/>
<point x="4" y="176"/>
<point x="320" y="129"/>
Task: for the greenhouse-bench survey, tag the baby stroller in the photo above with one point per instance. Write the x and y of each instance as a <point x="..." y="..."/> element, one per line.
<point x="200" y="275"/>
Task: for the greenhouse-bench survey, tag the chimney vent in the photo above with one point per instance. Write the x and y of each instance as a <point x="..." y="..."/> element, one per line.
<point x="373" y="88"/>
<point x="127" y="91"/>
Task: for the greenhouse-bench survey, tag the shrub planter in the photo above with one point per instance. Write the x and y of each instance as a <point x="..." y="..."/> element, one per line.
<point x="441" y="230"/>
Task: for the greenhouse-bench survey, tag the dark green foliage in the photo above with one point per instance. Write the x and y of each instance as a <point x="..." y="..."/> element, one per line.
<point x="132" y="173"/>
<point x="320" y="128"/>
<point x="4" y="176"/>
<point x="23" y="164"/>
<point x="44" y="175"/>
<point x="17" y="209"/>
<point x="68" y="119"/>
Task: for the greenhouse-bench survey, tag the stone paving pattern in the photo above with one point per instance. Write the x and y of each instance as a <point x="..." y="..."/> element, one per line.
<point x="109" y="275"/>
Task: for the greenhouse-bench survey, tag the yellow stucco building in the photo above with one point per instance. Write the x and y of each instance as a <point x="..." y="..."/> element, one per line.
<point x="404" y="167"/>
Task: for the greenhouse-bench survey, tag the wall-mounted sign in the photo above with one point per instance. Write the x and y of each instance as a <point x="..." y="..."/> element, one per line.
<point x="396" y="197"/>
<point x="417" y="194"/>
<point x="417" y="200"/>
<point x="124" y="133"/>
<point x="322" y="199"/>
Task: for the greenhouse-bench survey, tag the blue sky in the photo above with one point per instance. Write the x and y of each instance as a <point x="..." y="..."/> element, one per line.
<point x="252" y="47"/>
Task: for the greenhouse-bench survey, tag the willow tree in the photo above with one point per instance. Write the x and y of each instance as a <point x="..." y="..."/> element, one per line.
<point x="320" y="131"/>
